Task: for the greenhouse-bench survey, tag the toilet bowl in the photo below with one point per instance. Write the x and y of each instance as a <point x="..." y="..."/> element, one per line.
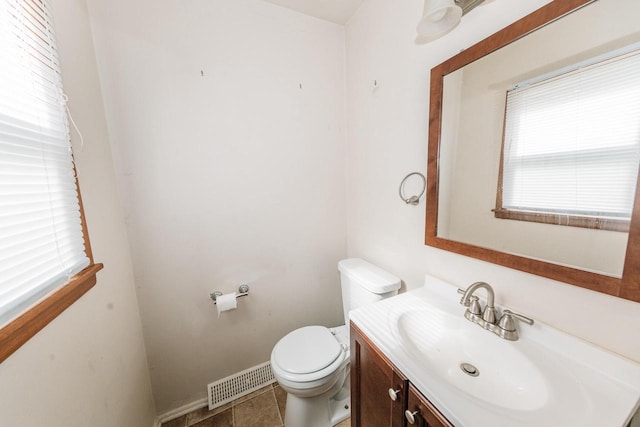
<point x="312" y="363"/>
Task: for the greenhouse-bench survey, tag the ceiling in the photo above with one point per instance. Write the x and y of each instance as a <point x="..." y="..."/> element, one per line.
<point x="338" y="11"/>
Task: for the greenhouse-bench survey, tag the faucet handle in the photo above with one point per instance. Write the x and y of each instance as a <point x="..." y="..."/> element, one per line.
<point x="474" y="305"/>
<point x="518" y="316"/>
<point x="507" y="323"/>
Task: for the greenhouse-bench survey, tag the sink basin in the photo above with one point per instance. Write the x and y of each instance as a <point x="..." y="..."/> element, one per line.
<point x="546" y="378"/>
<point x="497" y="371"/>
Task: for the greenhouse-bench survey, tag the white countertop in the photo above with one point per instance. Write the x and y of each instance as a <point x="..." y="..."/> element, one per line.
<point x="581" y="385"/>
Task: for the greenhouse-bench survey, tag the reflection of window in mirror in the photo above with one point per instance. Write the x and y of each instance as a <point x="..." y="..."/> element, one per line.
<point x="571" y="145"/>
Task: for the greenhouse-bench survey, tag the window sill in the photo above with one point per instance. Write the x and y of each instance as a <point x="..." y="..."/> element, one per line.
<point x="17" y="332"/>
<point x="597" y="223"/>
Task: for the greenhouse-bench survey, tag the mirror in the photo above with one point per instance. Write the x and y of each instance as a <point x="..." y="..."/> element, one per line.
<point x="467" y="110"/>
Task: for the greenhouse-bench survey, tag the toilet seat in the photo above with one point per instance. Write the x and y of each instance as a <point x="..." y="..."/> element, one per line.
<point x="315" y="372"/>
<point x="308" y="354"/>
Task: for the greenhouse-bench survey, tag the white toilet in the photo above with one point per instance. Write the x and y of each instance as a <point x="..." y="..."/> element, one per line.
<point x="312" y="363"/>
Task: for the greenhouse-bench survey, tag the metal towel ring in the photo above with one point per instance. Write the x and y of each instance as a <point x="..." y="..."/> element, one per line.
<point x="413" y="200"/>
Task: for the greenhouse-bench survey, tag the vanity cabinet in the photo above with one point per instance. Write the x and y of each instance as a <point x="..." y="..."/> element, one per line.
<point x="423" y="411"/>
<point x="374" y="381"/>
<point x="380" y="393"/>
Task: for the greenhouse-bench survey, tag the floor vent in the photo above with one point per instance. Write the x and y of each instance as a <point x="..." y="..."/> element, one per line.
<point x="240" y="384"/>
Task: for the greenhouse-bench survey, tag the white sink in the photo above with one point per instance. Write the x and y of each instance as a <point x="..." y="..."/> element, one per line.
<point x="503" y="376"/>
<point x="546" y="378"/>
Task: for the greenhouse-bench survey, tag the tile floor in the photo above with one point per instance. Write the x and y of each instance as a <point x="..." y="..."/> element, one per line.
<point x="262" y="408"/>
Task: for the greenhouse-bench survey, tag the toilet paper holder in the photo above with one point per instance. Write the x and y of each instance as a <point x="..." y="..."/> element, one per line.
<point x="243" y="291"/>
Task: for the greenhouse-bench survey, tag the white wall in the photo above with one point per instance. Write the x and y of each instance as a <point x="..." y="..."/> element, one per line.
<point x="387" y="138"/>
<point x="227" y="117"/>
<point x="87" y="367"/>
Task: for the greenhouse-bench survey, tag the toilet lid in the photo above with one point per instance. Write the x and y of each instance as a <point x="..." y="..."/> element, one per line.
<point x="307" y="350"/>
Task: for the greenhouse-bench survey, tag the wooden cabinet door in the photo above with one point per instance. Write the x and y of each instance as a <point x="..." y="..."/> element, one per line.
<point x="372" y="377"/>
<point x="426" y="415"/>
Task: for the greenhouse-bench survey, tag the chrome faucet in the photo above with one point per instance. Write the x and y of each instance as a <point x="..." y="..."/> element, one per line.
<point x="489" y="313"/>
<point x="487" y="318"/>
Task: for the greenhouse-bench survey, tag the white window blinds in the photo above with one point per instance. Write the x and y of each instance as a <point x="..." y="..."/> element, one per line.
<point x="572" y="141"/>
<point x="41" y="238"/>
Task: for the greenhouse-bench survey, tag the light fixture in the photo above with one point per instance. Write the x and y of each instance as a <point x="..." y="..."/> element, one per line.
<point x="441" y="16"/>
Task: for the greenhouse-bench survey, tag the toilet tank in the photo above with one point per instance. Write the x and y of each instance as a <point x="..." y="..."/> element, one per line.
<point x="363" y="283"/>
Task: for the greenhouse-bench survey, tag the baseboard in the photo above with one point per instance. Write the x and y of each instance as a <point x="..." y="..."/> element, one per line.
<point x="178" y="412"/>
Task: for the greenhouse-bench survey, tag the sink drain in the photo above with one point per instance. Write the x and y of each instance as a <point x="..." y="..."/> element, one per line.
<point x="469" y="369"/>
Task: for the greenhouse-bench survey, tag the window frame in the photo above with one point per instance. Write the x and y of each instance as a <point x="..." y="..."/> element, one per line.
<point x="597" y="222"/>
<point x="33" y="319"/>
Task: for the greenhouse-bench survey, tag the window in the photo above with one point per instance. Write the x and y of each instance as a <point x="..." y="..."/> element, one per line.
<point x="572" y="145"/>
<point x="45" y="258"/>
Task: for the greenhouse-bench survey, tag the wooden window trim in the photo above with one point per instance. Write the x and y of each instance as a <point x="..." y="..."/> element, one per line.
<point x="592" y="222"/>
<point x="18" y="331"/>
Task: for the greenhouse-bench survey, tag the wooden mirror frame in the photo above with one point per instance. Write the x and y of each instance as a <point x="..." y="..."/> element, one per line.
<point x="628" y="286"/>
